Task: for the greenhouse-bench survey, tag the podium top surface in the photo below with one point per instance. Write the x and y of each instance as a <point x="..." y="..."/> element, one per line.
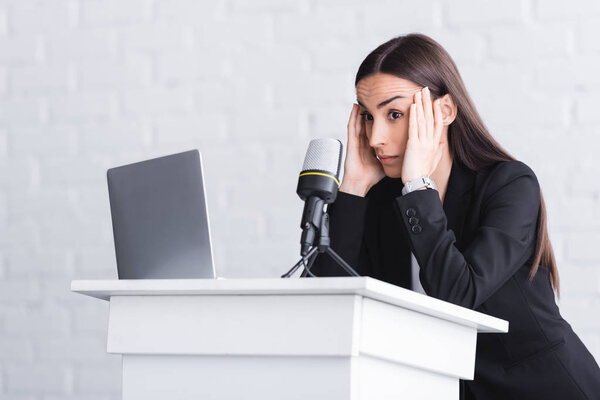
<point x="362" y="286"/>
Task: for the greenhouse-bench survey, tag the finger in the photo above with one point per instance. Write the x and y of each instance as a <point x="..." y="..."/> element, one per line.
<point x="438" y="120"/>
<point x="428" y="108"/>
<point x="358" y="123"/>
<point x="420" y="117"/>
<point x="413" y="133"/>
<point x="352" y="126"/>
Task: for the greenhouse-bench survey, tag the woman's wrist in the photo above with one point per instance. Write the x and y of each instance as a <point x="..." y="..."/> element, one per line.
<point x="355" y="188"/>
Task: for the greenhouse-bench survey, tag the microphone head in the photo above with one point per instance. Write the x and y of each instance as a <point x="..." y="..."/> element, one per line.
<point x="324" y="155"/>
<point x="321" y="170"/>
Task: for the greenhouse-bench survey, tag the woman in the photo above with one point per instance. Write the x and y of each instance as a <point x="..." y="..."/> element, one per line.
<point x="471" y="218"/>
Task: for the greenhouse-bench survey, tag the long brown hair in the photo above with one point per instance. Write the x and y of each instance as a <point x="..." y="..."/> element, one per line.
<point x="420" y="59"/>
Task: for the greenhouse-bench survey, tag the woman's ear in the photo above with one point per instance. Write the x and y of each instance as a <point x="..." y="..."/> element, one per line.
<point x="449" y="109"/>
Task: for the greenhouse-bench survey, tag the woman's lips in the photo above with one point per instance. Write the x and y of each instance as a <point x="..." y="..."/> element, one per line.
<point x="387" y="159"/>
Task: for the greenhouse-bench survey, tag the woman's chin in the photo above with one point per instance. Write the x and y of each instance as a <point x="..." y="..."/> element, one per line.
<point x="392" y="172"/>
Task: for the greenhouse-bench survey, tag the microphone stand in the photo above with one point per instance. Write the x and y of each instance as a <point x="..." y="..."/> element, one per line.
<point x="322" y="247"/>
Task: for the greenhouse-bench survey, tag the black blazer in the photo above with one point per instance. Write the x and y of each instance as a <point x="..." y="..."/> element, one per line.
<point x="474" y="251"/>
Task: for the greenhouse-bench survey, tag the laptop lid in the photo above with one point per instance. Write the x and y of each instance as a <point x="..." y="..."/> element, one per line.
<point x="160" y="219"/>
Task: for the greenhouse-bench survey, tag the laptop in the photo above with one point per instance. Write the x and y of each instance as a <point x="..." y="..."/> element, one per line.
<point x="160" y="219"/>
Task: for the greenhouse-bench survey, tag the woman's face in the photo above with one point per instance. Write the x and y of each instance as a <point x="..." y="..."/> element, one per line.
<point x="384" y="102"/>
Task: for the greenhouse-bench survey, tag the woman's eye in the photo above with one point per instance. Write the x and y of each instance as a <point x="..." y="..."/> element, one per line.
<point x="394" y="114"/>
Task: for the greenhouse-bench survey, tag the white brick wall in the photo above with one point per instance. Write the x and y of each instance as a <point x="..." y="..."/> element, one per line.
<point x="90" y="84"/>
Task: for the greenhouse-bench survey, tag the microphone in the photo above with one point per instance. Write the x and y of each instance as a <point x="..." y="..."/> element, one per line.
<point x="318" y="185"/>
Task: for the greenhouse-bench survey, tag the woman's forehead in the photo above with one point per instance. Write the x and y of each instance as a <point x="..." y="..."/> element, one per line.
<point x="380" y="87"/>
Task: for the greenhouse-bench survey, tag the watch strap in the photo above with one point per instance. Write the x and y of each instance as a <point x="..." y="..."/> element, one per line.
<point x="415" y="184"/>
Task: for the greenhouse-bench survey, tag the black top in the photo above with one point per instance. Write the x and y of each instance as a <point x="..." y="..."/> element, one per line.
<point x="475" y="251"/>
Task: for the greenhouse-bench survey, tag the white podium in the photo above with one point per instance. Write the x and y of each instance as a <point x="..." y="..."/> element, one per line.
<point x="336" y="338"/>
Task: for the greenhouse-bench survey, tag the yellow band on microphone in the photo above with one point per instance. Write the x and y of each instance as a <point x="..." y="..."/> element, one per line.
<point x="320" y="173"/>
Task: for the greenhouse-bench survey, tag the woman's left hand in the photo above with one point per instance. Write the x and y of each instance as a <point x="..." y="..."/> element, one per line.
<point x="423" y="149"/>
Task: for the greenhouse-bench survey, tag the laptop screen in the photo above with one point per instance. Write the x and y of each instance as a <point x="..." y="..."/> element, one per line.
<point x="160" y="218"/>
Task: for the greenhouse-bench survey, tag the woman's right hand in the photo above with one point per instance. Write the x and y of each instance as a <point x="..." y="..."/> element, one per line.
<point x="362" y="169"/>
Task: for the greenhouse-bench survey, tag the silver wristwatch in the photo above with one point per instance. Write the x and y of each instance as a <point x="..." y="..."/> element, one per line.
<point x="422" y="181"/>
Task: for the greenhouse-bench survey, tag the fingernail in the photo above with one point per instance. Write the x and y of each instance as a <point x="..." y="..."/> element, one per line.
<point x="426" y="89"/>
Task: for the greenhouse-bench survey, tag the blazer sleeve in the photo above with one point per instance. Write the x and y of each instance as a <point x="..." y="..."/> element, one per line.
<point x="502" y="243"/>
<point x="346" y="228"/>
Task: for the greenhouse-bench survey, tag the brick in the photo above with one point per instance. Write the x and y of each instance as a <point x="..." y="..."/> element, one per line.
<point x="82" y="44"/>
<point x="55" y="232"/>
<point x="37" y="378"/>
<point x="17" y="173"/>
<point x="3" y="81"/>
<point x="587" y="30"/>
<point x="326" y="20"/>
<point x="578" y="73"/>
<point x="231" y="95"/>
<point x="104" y="379"/>
<point x="191" y="66"/>
<point x="189" y="11"/>
<point x="90" y="203"/>
<point x="587" y="108"/>
<point x="34" y="322"/>
<point x="134" y="72"/>
<point x="582" y="247"/>
<point x="273" y="6"/>
<point x="156" y="38"/>
<point x="42" y="264"/>
<point x="257" y="30"/>
<point x="40" y="139"/>
<point x="95" y="262"/>
<point x="40" y="16"/>
<point x="465" y="47"/>
<point x="316" y="90"/>
<point x="42" y="79"/>
<point x="3" y="144"/>
<point x="20" y="50"/>
<point x="556" y="10"/>
<point x="577" y="312"/>
<point x="98" y="137"/>
<point x="17" y="291"/>
<point x="21" y="109"/>
<point x="37" y="205"/>
<point x="328" y="55"/>
<point x="3" y="26"/>
<point x="387" y="19"/>
<point x="82" y="107"/>
<point x="579" y="280"/>
<point x="583" y="180"/>
<point x="89" y="315"/>
<point x="276" y="56"/>
<point x="67" y="170"/>
<point x="548" y="41"/>
<point x="3" y="208"/>
<point x="201" y="130"/>
<point x="157" y="101"/>
<point x="483" y="13"/>
<point x="89" y="349"/>
<point x="114" y="12"/>
<point x="16" y="234"/>
<point x="16" y="349"/>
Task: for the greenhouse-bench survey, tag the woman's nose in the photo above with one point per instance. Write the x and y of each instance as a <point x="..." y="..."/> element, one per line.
<point x="379" y="135"/>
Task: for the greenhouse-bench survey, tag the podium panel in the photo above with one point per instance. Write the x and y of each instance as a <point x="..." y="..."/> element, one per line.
<point x="348" y="338"/>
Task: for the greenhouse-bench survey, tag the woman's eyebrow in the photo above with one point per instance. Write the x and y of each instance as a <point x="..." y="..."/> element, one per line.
<point x="383" y="103"/>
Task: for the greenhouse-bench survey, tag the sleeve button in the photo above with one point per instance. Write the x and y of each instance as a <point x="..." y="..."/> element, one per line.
<point x="413" y="220"/>
<point x="411" y="212"/>
<point x="416" y="228"/>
